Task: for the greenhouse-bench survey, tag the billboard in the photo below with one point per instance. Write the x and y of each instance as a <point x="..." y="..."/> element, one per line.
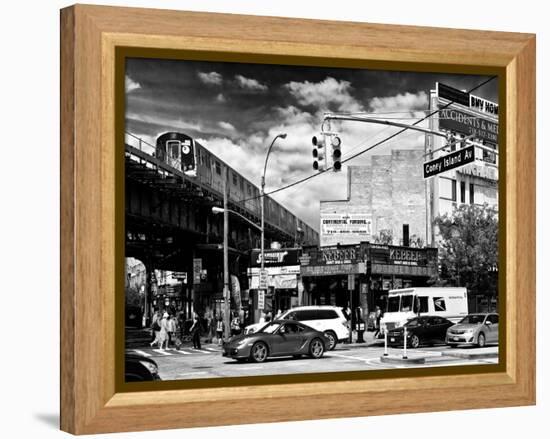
<point x="345" y="228"/>
<point x="466" y="123"/>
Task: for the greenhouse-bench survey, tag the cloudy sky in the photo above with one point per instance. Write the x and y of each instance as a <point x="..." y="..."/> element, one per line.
<point x="235" y="110"/>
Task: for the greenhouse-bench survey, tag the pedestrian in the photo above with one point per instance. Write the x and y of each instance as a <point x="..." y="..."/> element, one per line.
<point x="377" y="316"/>
<point x="235" y="325"/>
<point x="171" y="328"/>
<point x="163" y="333"/>
<point x="196" y="331"/>
<point x="155" y="327"/>
<point x="219" y="330"/>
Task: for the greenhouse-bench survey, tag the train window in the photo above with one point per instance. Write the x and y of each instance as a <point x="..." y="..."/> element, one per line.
<point x="218" y="168"/>
<point x="173" y="147"/>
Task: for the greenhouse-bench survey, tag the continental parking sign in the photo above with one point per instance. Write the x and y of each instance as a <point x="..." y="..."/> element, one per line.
<point x="450" y="161"/>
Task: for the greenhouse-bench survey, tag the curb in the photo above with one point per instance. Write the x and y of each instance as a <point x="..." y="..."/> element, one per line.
<point x="471" y="355"/>
<point x="401" y="360"/>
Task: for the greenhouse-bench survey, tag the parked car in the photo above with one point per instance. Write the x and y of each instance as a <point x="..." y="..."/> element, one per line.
<point x="328" y="319"/>
<point x="279" y="338"/>
<point x="138" y="367"/>
<point x="420" y="330"/>
<point x="474" y="329"/>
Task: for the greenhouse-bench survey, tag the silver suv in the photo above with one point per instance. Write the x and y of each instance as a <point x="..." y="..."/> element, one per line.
<point x="328" y="319"/>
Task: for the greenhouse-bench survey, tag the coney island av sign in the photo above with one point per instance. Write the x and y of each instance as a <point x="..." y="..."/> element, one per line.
<point x="450" y="161"/>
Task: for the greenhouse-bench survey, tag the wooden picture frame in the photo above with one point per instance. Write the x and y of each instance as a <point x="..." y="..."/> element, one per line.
<point x="91" y="400"/>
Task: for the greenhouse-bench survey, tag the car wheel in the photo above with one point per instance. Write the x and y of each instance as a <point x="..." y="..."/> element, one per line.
<point x="332" y="340"/>
<point x="415" y="341"/>
<point x="481" y="340"/>
<point x="316" y="348"/>
<point x="258" y="353"/>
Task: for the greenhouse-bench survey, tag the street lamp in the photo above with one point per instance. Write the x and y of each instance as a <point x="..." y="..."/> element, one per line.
<point x="217" y="210"/>
<point x="262" y="267"/>
<point x="226" y="211"/>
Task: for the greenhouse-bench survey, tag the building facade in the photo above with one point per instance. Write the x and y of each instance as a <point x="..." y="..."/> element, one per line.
<point x="386" y="203"/>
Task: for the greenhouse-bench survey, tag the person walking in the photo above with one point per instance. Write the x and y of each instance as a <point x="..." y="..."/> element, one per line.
<point x="155" y="327"/>
<point x="163" y="334"/>
<point x="171" y="329"/>
<point x="220" y="327"/>
<point x="377" y="316"/>
<point x="196" y="331"/>
<point x="235" y="325"/>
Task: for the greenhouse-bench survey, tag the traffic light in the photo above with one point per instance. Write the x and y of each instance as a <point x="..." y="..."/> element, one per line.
<point x="336" y="153"/>
<point x="319" y="153"/>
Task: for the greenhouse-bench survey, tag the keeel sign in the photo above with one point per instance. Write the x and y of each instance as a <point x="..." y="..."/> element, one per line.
<point x="450" y="161"/>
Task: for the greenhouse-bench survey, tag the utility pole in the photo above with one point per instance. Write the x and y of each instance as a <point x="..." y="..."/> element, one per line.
<point x="227" y="302"/>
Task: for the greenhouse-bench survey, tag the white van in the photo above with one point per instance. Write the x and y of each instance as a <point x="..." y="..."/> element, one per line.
<point x="403" y="304"/>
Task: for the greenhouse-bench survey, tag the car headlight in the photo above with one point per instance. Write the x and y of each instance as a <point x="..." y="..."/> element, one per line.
<point x="242" y="343"/>
<point x="151" y="367"/>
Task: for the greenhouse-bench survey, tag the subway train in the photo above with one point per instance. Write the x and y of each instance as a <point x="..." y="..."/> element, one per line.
<point x="187" y="155"/>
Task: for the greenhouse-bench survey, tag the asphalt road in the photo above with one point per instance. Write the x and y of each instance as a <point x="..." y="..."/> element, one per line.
<point x="188" y="363"/>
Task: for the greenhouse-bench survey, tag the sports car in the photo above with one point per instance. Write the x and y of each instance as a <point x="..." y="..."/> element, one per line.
<point x="280" y="338"/>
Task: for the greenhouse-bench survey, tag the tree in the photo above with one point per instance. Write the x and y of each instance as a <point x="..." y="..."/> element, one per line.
<point x="468" y="250"/>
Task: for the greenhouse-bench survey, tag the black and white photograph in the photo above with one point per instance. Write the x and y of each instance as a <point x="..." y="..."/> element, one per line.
<point x="287" y="219"/>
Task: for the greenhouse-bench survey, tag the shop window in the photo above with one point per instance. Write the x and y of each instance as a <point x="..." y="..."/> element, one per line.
<point x="472" y="197"/>
<point x="439" y="304"/>
<point x="462" y="192"/>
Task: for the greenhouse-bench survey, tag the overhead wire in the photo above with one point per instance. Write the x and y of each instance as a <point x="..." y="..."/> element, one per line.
<point x="386" y="139"/>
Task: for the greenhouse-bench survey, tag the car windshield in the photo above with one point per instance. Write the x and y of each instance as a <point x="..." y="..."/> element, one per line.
<point x="270" y="328"/>
<point x="393" y="304"/>
<point x="406" y="303"/>
<point x="473" y="319"/>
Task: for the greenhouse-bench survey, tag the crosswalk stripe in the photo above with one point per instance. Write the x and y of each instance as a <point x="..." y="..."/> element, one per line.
<point x="200" y="350"/>
<point x="212" y="349"/>
<point x="145" y="354"/>
<point x="182" y="352"/>
<point x="161" y="351"/>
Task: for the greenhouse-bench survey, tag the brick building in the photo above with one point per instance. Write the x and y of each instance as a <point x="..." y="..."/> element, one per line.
<point x="389" y="194"/>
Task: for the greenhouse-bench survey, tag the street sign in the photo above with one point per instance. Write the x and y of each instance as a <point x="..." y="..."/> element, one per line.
<point x="453" y="94"/>
<point x="180" y="275"/>
<point x="450" y="161"/>
<point x="263" y="280"/>
<point x="261" y="299"/>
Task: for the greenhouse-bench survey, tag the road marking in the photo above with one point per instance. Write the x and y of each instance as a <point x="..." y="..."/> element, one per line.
<point x="213" y="350"/>
<point x="145" y="354"/>
<point x="202" y="351"/>
<point x="161" y="351"/>
<point x="182" y="352"/>
<point x="347" y="356"/>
